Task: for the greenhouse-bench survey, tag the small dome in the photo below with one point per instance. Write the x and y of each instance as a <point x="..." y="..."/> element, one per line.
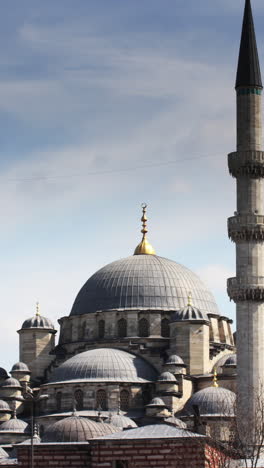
<point x="107" y="428"/>
<point x="20" y="367"/>
<point x="10" y="382"/>
<point x="4" y="407"/>
<point x="212" y="401"/>
<point x="231" y="361"/>
<point x="175" y="422"/>
<point x="220" y="365"/>
<point x="142" y="282"/>
<point x="3" y="453"/>
<point x="15" y="425"/>
<point x="174" y="360"/>
<point x="3" y="373"/>
<point x="157" y="402"/>
<point x="38" y="322"/>
<point x="74" y="429"/>
<point x="189" y="313"/>
<point x="105" y="364"/>
<point x="167" y="377"/>
<point x="121" y="422"/>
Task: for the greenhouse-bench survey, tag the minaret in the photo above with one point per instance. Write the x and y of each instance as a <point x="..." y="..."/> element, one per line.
<point x="246" y="228"/>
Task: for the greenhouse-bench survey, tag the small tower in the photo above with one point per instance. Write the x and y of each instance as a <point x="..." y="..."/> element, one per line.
<point x="246" y="228"/>
<point x="189" y="338"/>
<point x="36" y="342"/>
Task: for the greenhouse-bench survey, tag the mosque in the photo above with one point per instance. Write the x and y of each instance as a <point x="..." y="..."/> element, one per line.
<point x="145" y="343"/>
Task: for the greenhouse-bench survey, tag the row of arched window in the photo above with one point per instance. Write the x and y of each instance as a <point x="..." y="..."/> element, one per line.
<point x="143" y="328"/>
<point x="101" y="400"/>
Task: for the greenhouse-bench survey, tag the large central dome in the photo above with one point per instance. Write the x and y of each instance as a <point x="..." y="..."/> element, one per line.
<point x="143" y="282"/>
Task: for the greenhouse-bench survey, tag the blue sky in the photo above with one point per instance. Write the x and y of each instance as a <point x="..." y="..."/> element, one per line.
<point x="105" y="105"/>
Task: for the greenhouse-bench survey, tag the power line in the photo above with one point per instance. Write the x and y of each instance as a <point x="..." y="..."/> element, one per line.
<point x="109" y="171"/>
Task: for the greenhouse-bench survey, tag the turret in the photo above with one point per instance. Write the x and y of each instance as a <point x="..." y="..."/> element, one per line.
<point x="36" y="343"/>
<point x="189" y="338"/>
<point x="246" y="228"/>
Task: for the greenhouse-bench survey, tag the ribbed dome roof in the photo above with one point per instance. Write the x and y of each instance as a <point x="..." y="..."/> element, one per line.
<point x="174" y="360"/>
<point x="38" y="322"/>
<point x="175" y="422"/>
<point x="105" y="364"/>
<point x="157" y="402"/>
<point x="121" y="422"/>
<point x="4" y="407"/>
<point x="74" y="429"/>
<point x="167" y="377"/>
<point x="10" y="382"/>
<point x="212" y="401"/>
<point x="15" y="425"/>
<point x="189" y="313"/>
<point x="231" y="361"/>
<point x="219" y="366"/>
<point x="142" y="282"/>
<point x="20" y="367"/>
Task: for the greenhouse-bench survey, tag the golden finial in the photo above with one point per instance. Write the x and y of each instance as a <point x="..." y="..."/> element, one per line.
<point x="189" y="304"/>
<point x="37" y="309"/>
<point x="215" y="383"/>
<point x="144" y="248"/>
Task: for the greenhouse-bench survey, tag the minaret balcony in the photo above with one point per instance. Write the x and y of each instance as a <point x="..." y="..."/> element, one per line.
<point x="247" y="288"/>
<point x="246" y="228"/>
<point x="246" y="163"/>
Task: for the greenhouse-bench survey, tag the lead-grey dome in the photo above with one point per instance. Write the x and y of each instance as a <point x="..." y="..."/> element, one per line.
<point x="189" y="313"/>
<point x="167" y="377"/>
<point x="145" y="282"/>
<point x="74" y="429"/>
<point x="11" y="382"/>
<point x="105" y="364"/>
<point x="4" y="407"/>
<point x="38" y="322"/>
<point x="121" y="422"/>
<point x="20" y="367"/>
<point x="15" y="425"/>
<point x="212" y="401"/>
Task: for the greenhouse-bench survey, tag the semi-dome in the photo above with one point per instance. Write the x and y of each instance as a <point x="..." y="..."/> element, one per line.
<point x="20" y="367"/>
<point x="142" y="282"/>
<point x="104" y="365"/>
<point x="120" y="421"/>
<point x="74" y="429"/>
<point x="189" y="313"/>
<point x="38" y="321"/>
<point x="212" y="401"/>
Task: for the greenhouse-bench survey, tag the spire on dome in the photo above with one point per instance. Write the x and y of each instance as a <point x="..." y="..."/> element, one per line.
<point x="248" y="70"/>
<point x="144" y="248"/>
<point x="37" y="309"/>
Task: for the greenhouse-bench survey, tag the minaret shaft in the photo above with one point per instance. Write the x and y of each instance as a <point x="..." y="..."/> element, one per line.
<point x="246" y="228"/>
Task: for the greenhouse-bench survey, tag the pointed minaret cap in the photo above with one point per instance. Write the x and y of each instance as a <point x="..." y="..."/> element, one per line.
<point x="144" y="248"/>
<point x="248" y="70"/>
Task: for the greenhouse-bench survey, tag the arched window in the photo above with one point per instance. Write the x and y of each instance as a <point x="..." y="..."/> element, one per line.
<point x="143" y="327"/>
<point x="101" y="400"/>
<point x="165" y="328"/>
<point x="122" y="328"/>
<point x="58" y="401"/>
<point x="78" y="397"/>
<point x="124" y="400"/>
<point x="101" y="328"/>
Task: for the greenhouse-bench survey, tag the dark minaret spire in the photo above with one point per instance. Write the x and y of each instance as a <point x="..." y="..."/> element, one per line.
<point x="248" y="71"/>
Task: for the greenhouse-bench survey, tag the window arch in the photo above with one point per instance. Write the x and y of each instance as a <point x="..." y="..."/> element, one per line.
<point x="101" y="400"/>
<point x="78" y="398"/>
<point x="143" y="327"/>
<point x="124" y="400"/>
<point x="58" y="401"/>
<point x="122" y="328"/>
<point x="165" y="327"/>
<point x="101" y="328"/>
